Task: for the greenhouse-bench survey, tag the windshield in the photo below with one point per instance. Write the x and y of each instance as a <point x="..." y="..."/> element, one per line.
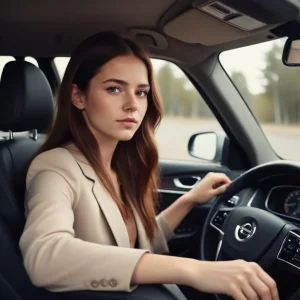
<point x="271" y="90"/>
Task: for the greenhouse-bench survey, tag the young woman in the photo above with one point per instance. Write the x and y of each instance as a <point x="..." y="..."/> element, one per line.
<point x="91" y="191"/>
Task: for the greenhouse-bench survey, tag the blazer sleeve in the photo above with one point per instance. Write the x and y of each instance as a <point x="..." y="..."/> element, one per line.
<point x="53" y="257"/>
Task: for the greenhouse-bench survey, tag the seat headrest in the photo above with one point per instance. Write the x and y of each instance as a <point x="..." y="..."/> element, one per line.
<point x="26" y="100"/>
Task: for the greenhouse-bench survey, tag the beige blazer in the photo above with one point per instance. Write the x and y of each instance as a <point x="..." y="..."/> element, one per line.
<point x="75" y="237"/>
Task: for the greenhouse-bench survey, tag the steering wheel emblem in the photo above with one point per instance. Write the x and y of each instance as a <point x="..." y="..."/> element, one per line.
<point x="245" y="231"/>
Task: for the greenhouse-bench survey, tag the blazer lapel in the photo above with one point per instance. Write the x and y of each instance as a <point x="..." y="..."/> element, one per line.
<point x="105" y="201"/>
<point x="112" y="214"/>
<point x="109" y="207"/>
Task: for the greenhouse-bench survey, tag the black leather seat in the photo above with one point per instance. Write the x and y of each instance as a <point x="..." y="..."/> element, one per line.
<point x="26" y="104"/>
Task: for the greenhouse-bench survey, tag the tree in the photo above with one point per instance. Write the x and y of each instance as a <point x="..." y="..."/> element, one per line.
<point x="262" y="107"/>
<point x="179" y="97"/>
<point x="165" y="79"/>
<point x="282" y="86"/>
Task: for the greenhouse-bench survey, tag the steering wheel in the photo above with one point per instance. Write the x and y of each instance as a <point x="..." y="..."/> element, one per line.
<point x="251" y="233"/>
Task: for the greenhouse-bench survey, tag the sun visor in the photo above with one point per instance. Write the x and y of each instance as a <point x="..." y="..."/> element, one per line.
<point x="195" y="26"/>
<point x="214" y="22"/>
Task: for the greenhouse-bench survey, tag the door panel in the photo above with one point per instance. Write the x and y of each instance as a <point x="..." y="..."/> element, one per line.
<point x="187" y="234"/>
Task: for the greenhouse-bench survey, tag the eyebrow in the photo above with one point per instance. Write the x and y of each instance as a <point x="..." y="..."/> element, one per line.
<point x="122" y="82"/>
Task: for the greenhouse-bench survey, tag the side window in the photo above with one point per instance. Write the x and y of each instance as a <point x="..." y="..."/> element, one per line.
<point x="61" y="65"/>
<point x="32" y="60"/>
<point x="3" y="61"/>
<point x="184" y="110"/>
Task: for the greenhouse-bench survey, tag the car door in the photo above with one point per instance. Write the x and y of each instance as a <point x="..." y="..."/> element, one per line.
<point x="178" y="177"/>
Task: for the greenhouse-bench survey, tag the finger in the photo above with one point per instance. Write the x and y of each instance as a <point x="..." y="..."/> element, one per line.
<point x="261" y="288"/>
<point x="249" y="292"/>
<point x="220" y="182"/>
<point x="221" y="189"/>
<point x="226" y="179"/>
<point x="269" y="281"/>
<point x="236" y="293"/>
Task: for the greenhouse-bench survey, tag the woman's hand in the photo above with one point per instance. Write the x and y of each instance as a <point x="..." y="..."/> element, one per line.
<point x="239" y="279"/>
<point x="210" y="186"/>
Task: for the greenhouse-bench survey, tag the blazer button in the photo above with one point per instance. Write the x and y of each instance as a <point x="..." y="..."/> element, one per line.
<point x="103" y="282"/>
<point x="113" y="283"/>
<point x="95" y="284"/>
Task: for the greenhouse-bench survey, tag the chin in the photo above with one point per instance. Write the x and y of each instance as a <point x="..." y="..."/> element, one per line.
<point x="125" y="139"/>
<point x="126" y="136"/>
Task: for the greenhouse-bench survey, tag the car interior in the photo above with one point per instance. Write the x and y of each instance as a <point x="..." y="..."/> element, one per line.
<point x="190" y="34"/>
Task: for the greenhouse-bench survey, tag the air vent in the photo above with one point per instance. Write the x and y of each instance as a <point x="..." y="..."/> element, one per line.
<point x="231" y="16"/>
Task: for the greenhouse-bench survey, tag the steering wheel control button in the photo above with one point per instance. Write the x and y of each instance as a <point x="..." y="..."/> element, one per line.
<point x="290" y="250"/>
<point x="232" y="202"/>
<point x="297" y="257"/>
<point x="219" y="219"/>
<point x="245" y="231"/>
<point x="291" y="246"/>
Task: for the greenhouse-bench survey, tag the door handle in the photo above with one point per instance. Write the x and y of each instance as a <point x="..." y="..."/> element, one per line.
<point x="186" y="182"/>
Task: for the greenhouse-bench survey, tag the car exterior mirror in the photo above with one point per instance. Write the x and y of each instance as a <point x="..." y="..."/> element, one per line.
<point x="291" y="52"/>
<point x="207" y="146"/>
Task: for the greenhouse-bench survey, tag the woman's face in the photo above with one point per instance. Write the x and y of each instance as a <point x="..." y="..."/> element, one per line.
<point x="116" y="100"/>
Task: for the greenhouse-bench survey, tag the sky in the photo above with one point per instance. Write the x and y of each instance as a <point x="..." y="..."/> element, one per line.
<point x="249" y="60"/>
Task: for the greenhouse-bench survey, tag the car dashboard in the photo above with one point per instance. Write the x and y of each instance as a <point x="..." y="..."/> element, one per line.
<point x="280" y="195"/>
<point x="284" y="200"/>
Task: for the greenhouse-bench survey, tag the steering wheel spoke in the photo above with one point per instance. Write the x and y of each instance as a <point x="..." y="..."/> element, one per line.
<point x="219" y="219"/>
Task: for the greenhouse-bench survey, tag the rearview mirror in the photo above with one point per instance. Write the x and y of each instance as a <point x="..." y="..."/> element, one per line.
<point x="207" y="145"/>
<point x="291" y="52"/>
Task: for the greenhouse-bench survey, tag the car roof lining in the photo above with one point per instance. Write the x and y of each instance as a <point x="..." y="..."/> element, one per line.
<point x="49" y="29"/>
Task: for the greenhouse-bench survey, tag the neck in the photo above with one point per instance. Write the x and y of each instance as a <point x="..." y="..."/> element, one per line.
<point x="106" y="152"/>
<point x="107" y="147"/>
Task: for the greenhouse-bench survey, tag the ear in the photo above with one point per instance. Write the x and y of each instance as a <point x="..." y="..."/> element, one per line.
<point x="77" y="97"/>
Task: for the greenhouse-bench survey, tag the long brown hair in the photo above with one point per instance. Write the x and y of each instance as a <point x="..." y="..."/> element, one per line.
<point x="135" y="161"/>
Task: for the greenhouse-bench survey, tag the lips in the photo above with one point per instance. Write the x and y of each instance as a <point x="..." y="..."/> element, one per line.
<point x="130" y="120"/>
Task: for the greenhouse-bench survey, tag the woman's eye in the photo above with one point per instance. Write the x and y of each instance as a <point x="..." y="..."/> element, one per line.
<point x="142" y="93"/>
<point x="113" y="89"/>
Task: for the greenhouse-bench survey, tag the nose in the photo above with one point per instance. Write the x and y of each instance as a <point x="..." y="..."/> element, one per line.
<point x="130" y="103"/>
